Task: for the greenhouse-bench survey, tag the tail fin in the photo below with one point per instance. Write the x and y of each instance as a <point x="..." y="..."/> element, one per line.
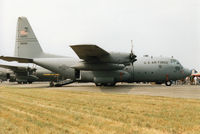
<point x="26" y="45"/>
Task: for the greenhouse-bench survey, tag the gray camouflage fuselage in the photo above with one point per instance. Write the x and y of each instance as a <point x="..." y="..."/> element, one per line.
<point x="145" y="69"/>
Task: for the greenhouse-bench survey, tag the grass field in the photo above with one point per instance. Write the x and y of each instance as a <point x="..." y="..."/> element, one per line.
<point x="49" y="111"/>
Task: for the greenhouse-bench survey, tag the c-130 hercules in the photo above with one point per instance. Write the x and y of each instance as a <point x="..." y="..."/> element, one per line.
<point x="95" y="64"/>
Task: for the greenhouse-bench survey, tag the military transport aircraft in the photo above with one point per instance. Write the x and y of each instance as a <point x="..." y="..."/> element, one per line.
<point x="23" y="74"/>
<point x="6" y="74"/>
<point x="95" y="64"/>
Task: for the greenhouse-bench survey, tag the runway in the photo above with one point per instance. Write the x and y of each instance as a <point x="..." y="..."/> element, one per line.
<point x="175" y="91"/>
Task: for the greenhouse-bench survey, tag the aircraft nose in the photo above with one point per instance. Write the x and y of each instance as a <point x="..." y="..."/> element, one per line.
<point x="187" y="72"/>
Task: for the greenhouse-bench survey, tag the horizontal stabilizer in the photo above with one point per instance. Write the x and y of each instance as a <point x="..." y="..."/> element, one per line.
<point x="20" y="60"/>
<point x="11" y="67"/>
<point x="18" y="69"/>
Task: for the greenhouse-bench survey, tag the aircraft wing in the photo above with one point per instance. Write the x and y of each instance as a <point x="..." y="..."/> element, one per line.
<point x="20" y="60"/>
<point x="8" y="67"/>
<point x="89" y="52"/>
<point x="14" y="68"/>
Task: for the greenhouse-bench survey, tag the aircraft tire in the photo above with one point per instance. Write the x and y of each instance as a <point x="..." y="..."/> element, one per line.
<point x="105" y="84"/>
<point x="19" y="82"/>
<point x="168" y="83"/>
<point x="110" y="84"/>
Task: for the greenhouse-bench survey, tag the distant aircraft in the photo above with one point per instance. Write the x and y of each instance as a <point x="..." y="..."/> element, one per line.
<point x="95" y="64"/>
<point x="22" y="74"/>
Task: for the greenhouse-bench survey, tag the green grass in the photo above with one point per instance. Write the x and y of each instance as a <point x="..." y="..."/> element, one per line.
<point x="50" y="111"/>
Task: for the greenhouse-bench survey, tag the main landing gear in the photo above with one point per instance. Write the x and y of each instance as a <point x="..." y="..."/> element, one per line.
<point x="24" y="82"/>
<point x="105" y="84"/>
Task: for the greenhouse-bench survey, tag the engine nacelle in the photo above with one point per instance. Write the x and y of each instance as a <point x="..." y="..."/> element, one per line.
<point x="118" y="58"/>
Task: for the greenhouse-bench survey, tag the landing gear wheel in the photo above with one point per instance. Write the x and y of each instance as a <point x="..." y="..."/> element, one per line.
<point x="51" y="84"/>
<point x="168" y="83"/>
<point x="19" y="82"/>
<point x="110" y="84"/>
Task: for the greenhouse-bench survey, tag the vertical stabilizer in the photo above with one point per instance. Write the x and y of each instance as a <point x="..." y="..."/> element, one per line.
<point x="27" y="45"/>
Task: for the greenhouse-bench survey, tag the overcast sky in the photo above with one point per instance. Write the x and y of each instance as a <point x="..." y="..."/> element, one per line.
<point x="157" y="27"/>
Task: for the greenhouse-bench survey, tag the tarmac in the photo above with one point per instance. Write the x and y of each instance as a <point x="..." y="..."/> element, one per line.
<point x="174" y="91"/>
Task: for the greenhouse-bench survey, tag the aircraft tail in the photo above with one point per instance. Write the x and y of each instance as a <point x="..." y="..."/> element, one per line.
<point x="27" y="45"/>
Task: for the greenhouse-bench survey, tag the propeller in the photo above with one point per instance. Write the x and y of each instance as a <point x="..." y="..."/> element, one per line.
<point x="132" y="56"/>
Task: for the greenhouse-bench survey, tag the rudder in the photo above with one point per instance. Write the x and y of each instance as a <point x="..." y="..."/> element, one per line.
<point x="26" y="45"/>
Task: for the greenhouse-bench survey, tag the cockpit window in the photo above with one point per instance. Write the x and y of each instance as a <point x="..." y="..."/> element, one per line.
<point x="173" y="61"/>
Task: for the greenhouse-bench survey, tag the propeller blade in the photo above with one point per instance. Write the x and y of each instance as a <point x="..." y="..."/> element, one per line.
<point x="132" y="55"/>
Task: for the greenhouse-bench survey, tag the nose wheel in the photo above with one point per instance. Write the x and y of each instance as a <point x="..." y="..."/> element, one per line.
<point x="168" y="83"/>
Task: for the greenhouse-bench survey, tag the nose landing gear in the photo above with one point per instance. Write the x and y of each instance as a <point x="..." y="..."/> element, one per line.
<point x="168" y="83"/>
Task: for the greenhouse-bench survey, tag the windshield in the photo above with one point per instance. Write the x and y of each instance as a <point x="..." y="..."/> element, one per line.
<point x="175" y="62"/>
